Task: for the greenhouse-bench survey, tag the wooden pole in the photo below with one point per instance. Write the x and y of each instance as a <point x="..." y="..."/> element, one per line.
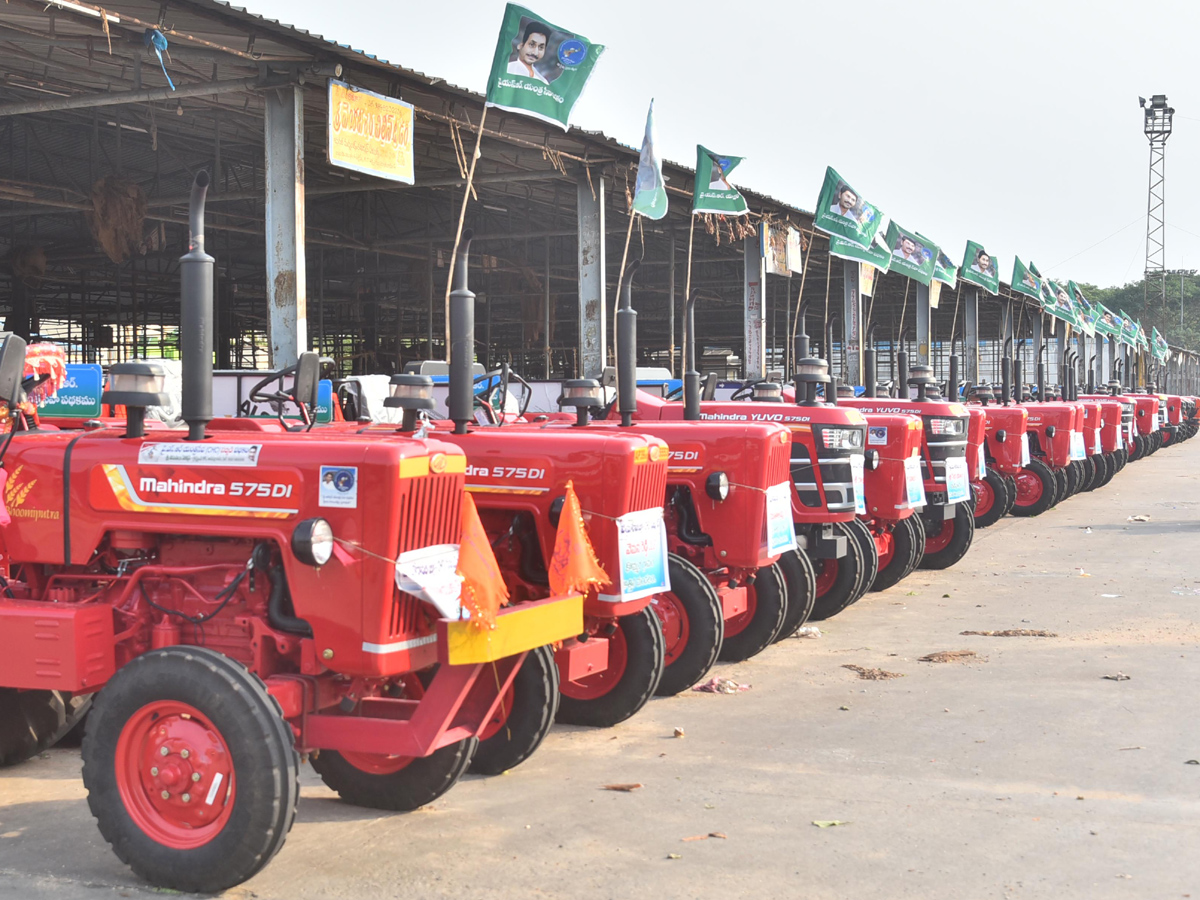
<point x="621" y="275"/>
<point x="687" y="292"/>
<point x="462" y="212"/>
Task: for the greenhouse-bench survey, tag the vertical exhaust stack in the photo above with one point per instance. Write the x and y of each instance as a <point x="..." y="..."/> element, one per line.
<point x="870" y="366"/>
<point x="1041" y="374"/>
<point x="462" y="340"/>
<point x="1091" y="376"/>
<point x="952" y="384"/>
<point x="627" y="348"/>
<point x="691" y="376"/>
<point x="1006" y="380"/>
<point x="196" y="324"/>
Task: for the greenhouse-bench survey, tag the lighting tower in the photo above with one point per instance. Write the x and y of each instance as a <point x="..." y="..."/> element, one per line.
<point x="1157" y="126"/>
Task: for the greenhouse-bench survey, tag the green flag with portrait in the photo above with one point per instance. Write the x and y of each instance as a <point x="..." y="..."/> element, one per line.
<point x="1057" y="302"/>
<point x="1128" y="329"/>
<point x="650" y="190"/>
<point x="842" y="211"/>
<point x="979" y="268"/>
<point x="1108" y="324"/>
<point x="539" y="69"/>
<point x="1024" y="281"/>
<point x="876" y="255"/>
<point x="912" y="255"/>
<point x="713" y="192"/>
<point x="944" y="270"/>
<point x="1161" y="348"/>
<point x="1083" y="308"/>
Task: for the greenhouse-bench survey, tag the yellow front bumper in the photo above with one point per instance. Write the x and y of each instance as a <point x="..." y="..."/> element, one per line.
<point x="518" y="628"/>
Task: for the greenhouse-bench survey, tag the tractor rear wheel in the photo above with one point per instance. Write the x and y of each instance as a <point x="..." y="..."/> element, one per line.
<point x="1036" y="489"/>
<point x="837" y="580"/>
<point x="635" y="666"/>
<point x="907" y="543"/>
<point x="951" y="542"/>
<point x="801" y="591"/>
<point x="33" y="721"/>
<point x="991" y="498"/>
<point x="692" y="625"/>
<point x="524" y="716"/>
<point x="870" y="553"/>
<point x="750" y="633"/>
<point x="190" y="769"/>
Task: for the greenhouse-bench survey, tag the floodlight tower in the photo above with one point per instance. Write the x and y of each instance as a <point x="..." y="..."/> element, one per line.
<point x="1157" y="127"/>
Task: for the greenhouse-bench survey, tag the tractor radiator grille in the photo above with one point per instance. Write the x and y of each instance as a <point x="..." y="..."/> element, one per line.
<point x="649" y="488"/>
<point x="778" y="463"/>
<point x="432" y="512"/>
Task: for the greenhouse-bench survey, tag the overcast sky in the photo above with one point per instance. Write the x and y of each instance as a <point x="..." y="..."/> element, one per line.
<point x="1015" y="124"/>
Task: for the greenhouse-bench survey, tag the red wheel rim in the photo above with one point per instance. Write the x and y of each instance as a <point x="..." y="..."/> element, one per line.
<point x="985" y="497"/>
<point x="827" y="573"/>
<point x="939" y="541"/>
<point x="172" y="748"/>
<point x="1029" y="488"/>
<point x="674" y="621"/>
<point x="499" y="717"/>
<point x="885" y="546"/>
<point x="376" y="763"/>
<point x="599" y="684"/>
<point x="738" y="623"/>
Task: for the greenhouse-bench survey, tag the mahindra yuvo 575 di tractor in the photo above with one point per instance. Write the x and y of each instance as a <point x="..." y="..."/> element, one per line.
<point x="237" y="599"/>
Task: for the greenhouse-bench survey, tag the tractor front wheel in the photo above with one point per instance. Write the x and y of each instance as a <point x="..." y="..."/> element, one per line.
<point x="692" y="625"/>
<point x="991" y="498"/>
<point x="950" y="543"/>
<point x="394" y="783"/>
<point x="190" y="770"/>
<point x="801" y="583"/>
<point x="751" y="632"/>
<point x="907" y="544"/>
<point x="1036" y="489"/>
<point x="837" y="580"/>
<point x="33" y="721"/>
<point x="635" y="667"/>
<point x="1010" y="485"/>
<point x="523" y="719"/>
<point x="858" y="529"/>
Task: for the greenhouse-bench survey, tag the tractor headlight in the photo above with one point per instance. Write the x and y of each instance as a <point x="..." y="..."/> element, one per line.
<point x="842" y="438"/>
<point x="1001" y="436"/>
<point x="312" y="542"/>
<point x="717" y="485"/>
<point x="947" y="427"/>
<point x="871" y="460"/>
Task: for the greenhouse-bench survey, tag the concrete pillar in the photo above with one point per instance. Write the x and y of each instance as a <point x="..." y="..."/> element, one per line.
<point x="852" y="328"/>
<point x="754" y="308"/>
<point x="971" y="338"/>
<point x="287" y="314"/>
<point x="922" y="312"/>
<point x="592" y="331"/>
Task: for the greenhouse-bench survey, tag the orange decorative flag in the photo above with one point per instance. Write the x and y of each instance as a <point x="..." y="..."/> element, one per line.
<point x="483" y="588"/>
<point x="574" y="567"/>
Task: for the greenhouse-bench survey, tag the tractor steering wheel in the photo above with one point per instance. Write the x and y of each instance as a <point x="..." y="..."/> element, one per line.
<point x="276" y="399"/>
<point x="744" y="391"/>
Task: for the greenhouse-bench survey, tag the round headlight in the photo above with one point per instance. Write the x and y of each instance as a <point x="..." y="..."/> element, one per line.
<point x="312" y="542"/>
<point x="717" y="485"/>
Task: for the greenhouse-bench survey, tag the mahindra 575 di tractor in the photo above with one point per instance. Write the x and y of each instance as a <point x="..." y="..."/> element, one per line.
<point x="238" y="599"/>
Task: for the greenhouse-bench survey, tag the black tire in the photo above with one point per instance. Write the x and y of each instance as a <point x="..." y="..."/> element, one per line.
<point x="1074" y="476"/>
<point x="1010" y="485"/>
<point x="963" y="525"/>
<point x="34" y="721"/>
<point x="642" y="638"/>
<point x="421" y="781"/>
<point x="837" y="580"/>
<point x="524" y="718"/>
<point x="1139" y="448"/>
<point x="994" y="486"/>
<point x="908" y="540"/>
<point x="1048" y="489"/>
<point x="263" y="762"/>
<point x="693" y="627"/>
<point x="1110" y="468"/>
<point x="858" y="529"/>
<point x="1092" y="470"/>
<point x="1060" y="485"/>
<point x="755" y="630"/>
<point x="801" y="591"/>
<point x="1122" y="457"/>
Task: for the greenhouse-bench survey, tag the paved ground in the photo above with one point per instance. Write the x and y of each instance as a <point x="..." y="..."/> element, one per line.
<point x="1023" y="773"/>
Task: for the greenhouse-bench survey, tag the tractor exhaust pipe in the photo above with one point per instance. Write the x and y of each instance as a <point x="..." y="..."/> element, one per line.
<point x="902" y="374"/>
<point x="462" y="340"/>
<point x="627" y="348"/>
<point x="196" y="323"/>
<point x="870" y="366"/>
<point x="800" y="347"/>
<point x="1041" y="374"/>
<point x="952" y="383"/>
<point x="1091" y="378"/>
<point x="1005" y="380"/>
<point x="691" y="377"/>
<point x="1018" y="390"/>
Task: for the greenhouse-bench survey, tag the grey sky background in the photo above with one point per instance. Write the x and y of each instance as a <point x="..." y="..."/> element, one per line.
<point x="1015" y="124"/>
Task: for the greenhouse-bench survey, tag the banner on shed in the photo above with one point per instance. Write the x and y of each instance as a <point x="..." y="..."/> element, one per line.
<point x="369" y="133"/>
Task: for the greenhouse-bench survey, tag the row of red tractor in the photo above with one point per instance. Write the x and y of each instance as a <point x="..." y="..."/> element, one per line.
<point x="400" y="597"/>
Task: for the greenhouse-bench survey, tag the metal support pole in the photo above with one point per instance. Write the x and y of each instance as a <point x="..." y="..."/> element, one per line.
<point x="923" y="313"/>
<point x="671" y="302"/>
<point x="971" y="338"/>
<point x="755" y="310"/>
<point x="546" y="314"/>
<point x="852" y="323"/>
<point x="593" y="334"/>
<point x="287" y="313"/>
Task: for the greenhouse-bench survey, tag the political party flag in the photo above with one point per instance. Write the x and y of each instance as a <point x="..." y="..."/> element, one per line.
<point x="483" y="588"/>
<point x="876" y="255"/>
<point x="1128" y="329"/>
<point x="573" y="564"/>
<point x="1161" y="348"/>
<point x="979" y="268"/>
<point x="1107" y="324"/>
<point x="944" y="270"/>
<point x="912" y="255"/>
<point x="650" y="191"/>
<point x="1083" y="308"/>
<point x="713" y="192"/>
<point x="539" y="69"/>
<point x="1025" y="281"/>
<point x="841" y="210"/>
<point x="1142" y="339"/>
<point x="1057" y="302"/>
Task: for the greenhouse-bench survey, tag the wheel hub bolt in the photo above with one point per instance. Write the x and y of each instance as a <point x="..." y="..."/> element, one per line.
<point x="184" y="753"/>
<point x="154" y="771"/>
<point x="195" y="776"/>
<point x="166" y="795"/>
<point x="164" y="751"/>
<point x="186" y="798"/>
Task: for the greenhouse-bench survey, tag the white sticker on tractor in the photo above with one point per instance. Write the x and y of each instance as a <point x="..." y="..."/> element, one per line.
<point x="1025" y="449"/>
<point x="339" y="487"/>
<point x="781" y="534"/>
<point x="199" y="454"/>
<point x="877" y="435"/>
<point x="914" y="483"/>
<point x="981" y="465"/>
<point x="857" y="478"/>
<point x="1078" y="447"/>
<point x="642" y="547"/>
<point x="430" y="574"/>
<point x="1098" y="448"/>
<point x="958" y="479"/>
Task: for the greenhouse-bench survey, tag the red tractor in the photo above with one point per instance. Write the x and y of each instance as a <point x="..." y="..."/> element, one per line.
<point x="232" y="605"/>
<point x="1006" y="446"/>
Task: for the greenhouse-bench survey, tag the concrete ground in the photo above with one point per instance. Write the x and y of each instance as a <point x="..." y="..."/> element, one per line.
<point x="1023" y="772"/>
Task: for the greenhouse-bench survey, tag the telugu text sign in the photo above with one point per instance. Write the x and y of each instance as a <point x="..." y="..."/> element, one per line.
<point x="370" y="133"/>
